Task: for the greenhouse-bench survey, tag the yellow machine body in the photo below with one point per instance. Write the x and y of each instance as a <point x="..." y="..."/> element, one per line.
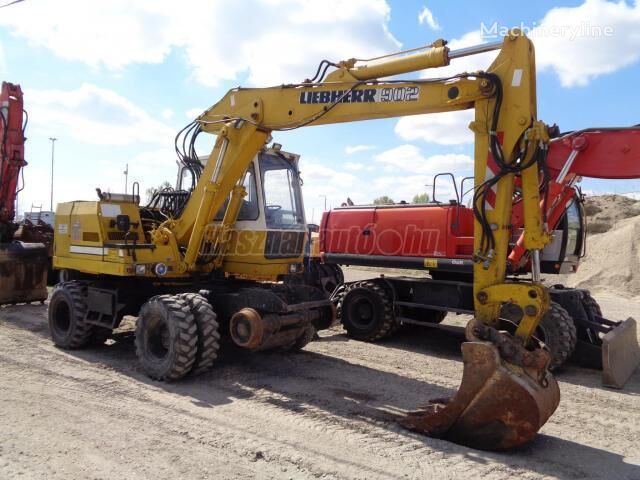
<point x="508" y="140"/>
<point x="89" y="241"/>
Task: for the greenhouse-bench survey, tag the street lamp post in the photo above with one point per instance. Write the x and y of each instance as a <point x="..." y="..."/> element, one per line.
<point x="53" y="143"/>
<point x="325" y="202"/>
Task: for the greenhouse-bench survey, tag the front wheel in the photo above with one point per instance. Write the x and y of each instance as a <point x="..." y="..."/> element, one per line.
<point x="66" y="314"/>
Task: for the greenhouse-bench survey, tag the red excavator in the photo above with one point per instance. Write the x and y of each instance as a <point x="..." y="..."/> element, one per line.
<point x="438" y="238"/>
<point x="25" y="248"/>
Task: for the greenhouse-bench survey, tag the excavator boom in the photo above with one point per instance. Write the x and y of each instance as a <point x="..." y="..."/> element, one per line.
<point x="23" y="266"/>
<point x="506" y="394"/>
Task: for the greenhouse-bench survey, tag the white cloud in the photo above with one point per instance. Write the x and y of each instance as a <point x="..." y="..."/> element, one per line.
<point x="351" y="149"/>
<point x="94" y="115"/>
<point x="266" y="41"/>
<point x="354" y="166"/>
<point x="584" y="42"/>
<point x="409" y="158"/>
<point x="448" y="128"/>
<point x="400" y="172"/>
<point x="426" y="16"/>
<point x="3" y="63"/>
<point x="167" y="114"/>
<point x="192" y="113"/>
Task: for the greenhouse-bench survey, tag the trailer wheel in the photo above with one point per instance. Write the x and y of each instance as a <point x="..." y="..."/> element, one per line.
<point x="166" y="338"/>
<point x="367" y="311"/>
<point x="558" y="332"/>
<point x="208" y="335"/>
<point x="67" y="309"/>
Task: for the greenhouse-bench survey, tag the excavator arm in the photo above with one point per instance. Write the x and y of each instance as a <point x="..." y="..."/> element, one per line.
<point x="506" y="394"/>
<point x="24" y="255"/>
<point x="12" y="154"/>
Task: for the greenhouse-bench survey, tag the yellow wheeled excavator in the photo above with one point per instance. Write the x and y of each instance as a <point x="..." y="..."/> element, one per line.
<point x="233" y="243"/>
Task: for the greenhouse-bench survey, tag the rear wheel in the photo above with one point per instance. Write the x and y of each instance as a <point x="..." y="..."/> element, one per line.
<point x="208" y="335"/>
<point x="303" y="340"/>
<point x="67" y="310"/>
<point x="166" y="338"/>
<point x="367" y="311"/>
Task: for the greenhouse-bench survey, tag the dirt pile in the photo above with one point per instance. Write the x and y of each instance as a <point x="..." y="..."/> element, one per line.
<point x="613" y="252"/>
<point x="604" y="211"/>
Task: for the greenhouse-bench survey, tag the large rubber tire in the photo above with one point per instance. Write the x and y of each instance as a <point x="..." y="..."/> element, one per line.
<point x="208" y="335"/>
<point x="302" y="341"/>
<point x="166" y="338"/>
<point x="590" y="305"/>
<point x="67" y="310"/>
<point x="558" y="332"/>
<point x="331" y="276"/>
<point x="367" y="311"/>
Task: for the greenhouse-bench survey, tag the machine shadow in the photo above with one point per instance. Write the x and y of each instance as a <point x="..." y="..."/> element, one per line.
<point x="444" y="342"/>
<point x="331" y="388"/>
<point x="325" y="387"/>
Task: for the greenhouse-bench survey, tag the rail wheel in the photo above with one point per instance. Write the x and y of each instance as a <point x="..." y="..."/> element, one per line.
<point x="166" y="338"/>
<point x="367" y="311"/>
<point x="67" y="309"/>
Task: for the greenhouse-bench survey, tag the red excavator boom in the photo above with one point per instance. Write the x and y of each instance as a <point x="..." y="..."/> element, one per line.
<point x="24" y="267"/>
<point x="11" y="149"/>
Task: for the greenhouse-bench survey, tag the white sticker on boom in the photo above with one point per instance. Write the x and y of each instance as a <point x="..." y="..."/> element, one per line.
<point x="63" y="228"/>
<point x="233" y="100"/>
<point x="517" y="77"/>
<point x="110" y="210"/>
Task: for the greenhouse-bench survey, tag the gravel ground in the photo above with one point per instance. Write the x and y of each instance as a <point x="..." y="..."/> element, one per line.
<point x="327" y="412"/>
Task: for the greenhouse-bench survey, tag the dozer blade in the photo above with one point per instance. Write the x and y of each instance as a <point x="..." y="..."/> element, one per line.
<point x="498" y="406"/>
<point x="23" y="272"/>
<point x="620" y="354"/>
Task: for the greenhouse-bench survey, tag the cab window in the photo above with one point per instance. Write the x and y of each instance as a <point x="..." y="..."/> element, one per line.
<point x="281" y="184"/>
<point x="249" y="209"/>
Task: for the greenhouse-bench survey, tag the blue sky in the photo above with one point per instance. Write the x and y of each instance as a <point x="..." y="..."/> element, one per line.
<point x="114" y="81"/>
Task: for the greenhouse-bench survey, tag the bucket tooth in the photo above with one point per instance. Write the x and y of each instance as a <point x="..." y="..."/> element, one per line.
<point x="498" y="406"/>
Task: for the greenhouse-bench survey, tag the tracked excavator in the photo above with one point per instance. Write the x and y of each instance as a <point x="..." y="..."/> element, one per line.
<point x="438" y="238"/>
<point x="25" y="247"/>
<point x="176" y="262"/>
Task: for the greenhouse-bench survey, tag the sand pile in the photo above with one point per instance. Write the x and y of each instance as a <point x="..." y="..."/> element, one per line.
<point x="613" y="256"/>
<point x="604" y="211"/>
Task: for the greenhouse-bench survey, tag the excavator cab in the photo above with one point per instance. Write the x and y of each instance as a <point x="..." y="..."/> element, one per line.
<point x="270" y="231"/>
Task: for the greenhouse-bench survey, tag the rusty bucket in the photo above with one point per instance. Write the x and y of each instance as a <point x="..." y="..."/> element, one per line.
<point x="23" y="272"/>
<point x="499" y="405"/>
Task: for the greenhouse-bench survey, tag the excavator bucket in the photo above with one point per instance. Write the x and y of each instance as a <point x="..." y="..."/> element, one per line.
<point x="23" y="272"/>
<point x="499" y="405"/>
<point x="620" y="354"/>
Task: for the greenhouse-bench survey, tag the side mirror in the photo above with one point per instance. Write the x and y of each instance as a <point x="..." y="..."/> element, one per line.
<point x="123" y="223"/>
